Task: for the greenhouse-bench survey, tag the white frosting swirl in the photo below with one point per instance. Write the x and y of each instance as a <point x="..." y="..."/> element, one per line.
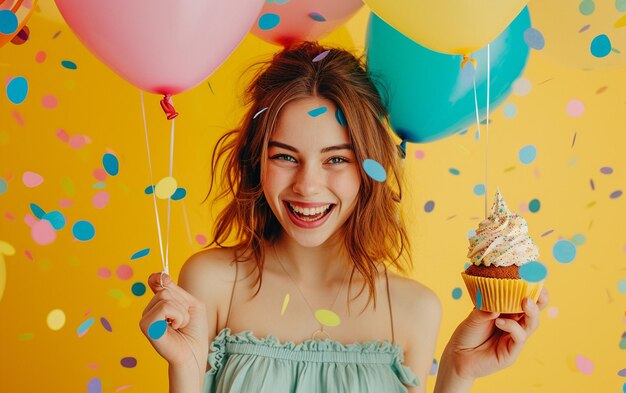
<point x="502" y="239"/>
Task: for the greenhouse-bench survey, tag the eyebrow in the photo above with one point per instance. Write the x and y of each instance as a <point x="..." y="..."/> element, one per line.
<point x="345" y="146"/>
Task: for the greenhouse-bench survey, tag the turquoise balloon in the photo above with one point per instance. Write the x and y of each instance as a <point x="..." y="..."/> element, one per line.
<point x="428" y="94"/>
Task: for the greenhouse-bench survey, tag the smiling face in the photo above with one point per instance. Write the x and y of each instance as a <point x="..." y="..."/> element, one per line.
<point x="311" y="177"/>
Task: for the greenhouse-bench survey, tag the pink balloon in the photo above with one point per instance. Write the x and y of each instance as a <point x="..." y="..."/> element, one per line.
<point x="285" y="22"/>
<point x="161" y="46"/>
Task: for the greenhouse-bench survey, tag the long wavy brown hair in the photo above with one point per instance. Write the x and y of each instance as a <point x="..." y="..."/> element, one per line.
<point x="375" y="233"/>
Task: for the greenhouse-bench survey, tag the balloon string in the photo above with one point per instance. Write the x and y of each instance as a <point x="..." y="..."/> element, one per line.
<point x="478" y="125"/>
<point x="156" y="210"/>
<point x="487" y="128"/>
<point x="169" y="200"/>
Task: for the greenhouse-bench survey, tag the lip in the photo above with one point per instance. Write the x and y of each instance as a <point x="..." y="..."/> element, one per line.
<point x="308" y="225"/>
<point x="308" y="204"/>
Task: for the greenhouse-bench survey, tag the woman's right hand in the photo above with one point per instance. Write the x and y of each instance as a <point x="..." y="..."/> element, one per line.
<point x="185" y="340"/>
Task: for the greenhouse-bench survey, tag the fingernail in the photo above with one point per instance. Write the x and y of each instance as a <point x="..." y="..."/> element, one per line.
<point x="166" y="279"/>
<point x="499" y="321"/>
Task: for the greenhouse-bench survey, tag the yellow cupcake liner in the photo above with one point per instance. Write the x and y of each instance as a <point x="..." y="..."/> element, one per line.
<point x="502" y="295"/>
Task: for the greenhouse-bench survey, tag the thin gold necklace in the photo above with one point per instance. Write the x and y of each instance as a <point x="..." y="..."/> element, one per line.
<point x="319" y="333"/>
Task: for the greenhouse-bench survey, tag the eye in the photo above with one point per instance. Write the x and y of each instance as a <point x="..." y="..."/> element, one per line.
<point x="337" y="160"/>
<point x="283" y="157"/>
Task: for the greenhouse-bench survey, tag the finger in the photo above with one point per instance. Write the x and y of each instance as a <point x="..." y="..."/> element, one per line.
<point x="516" y="333"/>
<point x="479" y="317"/>
<point x="165" y="310"/>
<point x="543" y="299"/>
<point x="531" y="318"/>
<point x="156" y="279"/>
<point x="166" y="295"/>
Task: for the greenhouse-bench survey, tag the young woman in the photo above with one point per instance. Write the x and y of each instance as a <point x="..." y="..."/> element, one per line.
<point x="308" y="297"/>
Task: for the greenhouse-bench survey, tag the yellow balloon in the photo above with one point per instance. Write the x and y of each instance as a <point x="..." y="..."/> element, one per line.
<point x="449" y="26"/>
<point x="569" y="28"/>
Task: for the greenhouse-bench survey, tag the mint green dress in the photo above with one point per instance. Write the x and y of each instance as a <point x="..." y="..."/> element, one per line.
<point x="243" y="363"/>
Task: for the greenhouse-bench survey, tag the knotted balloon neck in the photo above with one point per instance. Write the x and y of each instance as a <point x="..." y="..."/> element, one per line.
<point x="467" y="59"/>
<point x="168" y="108"/>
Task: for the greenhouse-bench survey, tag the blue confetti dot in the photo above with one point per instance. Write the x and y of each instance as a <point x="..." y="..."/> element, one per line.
<point x="601" y="46"/>
<point x="82" y="329"/>
<point x="37" y="211"/>
<point x="564" y="251"/>
<point x="534" y="206"/>
<point x="510" y="110"/>
<point x="578" y="239"/>
<point x="586" y="7"/>
<point x="140" y="254"/>
<point x="157" y="329"/>
<point x="110" y="163"/>
<point x="83" y="231"/>
<point x="534" y="39"/>
<point x="527" y="154"/>
<point x="180" y="193"/>
<point x="429" y="206"/>
<point x="479" y="189"/>
<point x="268" y="21"/>
<point x="456" y="293"/>
<point x="17" y="90"/>
<point x="138" y="289"/>
<point x="620" y="5"/>
<point x="70" y="65"/>
<point x="454" y="171"/>
<point x="621" y="286"/>
<point x="3" y="186"/>
<point x="94" y="385"/>
<point x="316" y="16"/>
<point x="8" y="22"/>
<point x="99" y="185"/>
<point x="374" y="170"/>
<point x="624" y="388"/>
<point x="479" y="299"/>
<point x="533" y="271"/>
<point x="317" y="111"/>
<point x="56" y="219"/>
<point x="341" y="118"/>
<point x="149" y="190"/>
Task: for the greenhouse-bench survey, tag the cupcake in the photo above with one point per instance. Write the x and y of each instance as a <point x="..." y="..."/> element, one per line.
<point x="499" y="248"/>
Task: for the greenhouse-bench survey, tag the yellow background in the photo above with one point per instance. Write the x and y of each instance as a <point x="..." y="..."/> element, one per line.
<point x="586" y="315"/>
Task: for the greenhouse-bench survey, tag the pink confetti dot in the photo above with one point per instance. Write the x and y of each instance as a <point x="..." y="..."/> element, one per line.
<point x="419" y="154"/>
<point x="201" y="239"/>
<point x="93" y="366"/>
<point x="575" y="108"/>
<point x="29" y="219"/>
<point x="523" y="208"/>
<point x="104" y="272"/>
<point x="100" y="200"/>
<point x="584" y="365"/>
<point x="40" y="57"/>
<point x="66" y="202"/>
<point x="49" y="102"/>
<point x="31" y="179"/>
<point x="42" y="232"/>
<point x="100" y="174"/>
<point x="9" y="216"/>
<point x="552" y="312"/>
<point x="77" y="141"/>
<point x="62" y="135"/>
<point x="18" y="118"/>
<point x="124" y="272"/>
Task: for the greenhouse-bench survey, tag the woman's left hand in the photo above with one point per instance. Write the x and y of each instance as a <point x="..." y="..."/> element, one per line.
<point x="486" y="342"/>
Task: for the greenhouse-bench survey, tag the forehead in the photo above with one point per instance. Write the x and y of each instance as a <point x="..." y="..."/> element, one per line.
<point x="310" y="123"/>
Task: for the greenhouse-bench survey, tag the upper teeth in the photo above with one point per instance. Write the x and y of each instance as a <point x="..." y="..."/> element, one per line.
<point x="309" y="211"/>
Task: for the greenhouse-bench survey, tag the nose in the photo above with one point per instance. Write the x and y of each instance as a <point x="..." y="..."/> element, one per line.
<point x="308" y="180"/>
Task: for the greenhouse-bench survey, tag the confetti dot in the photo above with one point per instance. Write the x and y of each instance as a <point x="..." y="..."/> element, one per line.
<point x="149" y="190"/>
<point x="374" y="170"/>
<point x="321" y="56"/>
<point x="40" y="57"/>
<point x="70" y="65"/>
<point x="479" y="189"/>
<point x="138" y="289"/>
<point x="17" y="89"/>
<point x="533" y="271"/>
<point x="534" y="39"/>
<point x="578" y="239"/>
<point x="128" y="362"/>
<point x="43" y="233"/>
<point x="584" y="365"/>
<point x="99" y="174"/>
<point x="100" y="200"/>
<point x="454" y="171"/>
<point x="527" y="154"/>
<point x="621" y="286"/>
<point x="600" y="46"/>
<point x="419" y="154"/>
<point x="564" y="251"/>
<point x="317" y="111"/>
<point x="124" y="272"/>
<point x="110" y="164"/>
<point x="268" y="21"/>
<point x="166" y="187"/>
<point x="201" y="239"/>
<point x="56" y="319"/>
<point x="620" y="5"/>
<point x="327" y="318"/>
<point x="140" y="254"/>
<point x="285" y="303"/>
<point x="429" y="206"/>
<point x="37" y="210"/>
<point x="77" y="141"/>
<point x="456" y="293"/>
<point x="534" y="206"/>
<point x="179" y="194"/>
<point x="479" y="299"/>
<point x="8" y="22"/>
<point x="316" y="16"/>
<point x="586" y="7"/>
<point x="31" y="179"/>
<point x="509" y="110"/>
<point x="622" y="372"/>
<point x="94" y="385"/>
<point x="68" y="186"/>
<point x="104" y="272"/>
<point x="3" y="186"/>
<point x="157" y="329"/>
<point x="106" y="325"/>
<point x="606" y="170"/>
<point x="56" y="219"/>
<point x="341" y="118"/>
<point x="84" y="327"/>
<point x="433" y="368"/>
<point x="615" y="194"/>
<point x="575" y="108"/>
<point x="49" y="102"/>
<point x="552" y="312"/>
<point x="83" y="230"/>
